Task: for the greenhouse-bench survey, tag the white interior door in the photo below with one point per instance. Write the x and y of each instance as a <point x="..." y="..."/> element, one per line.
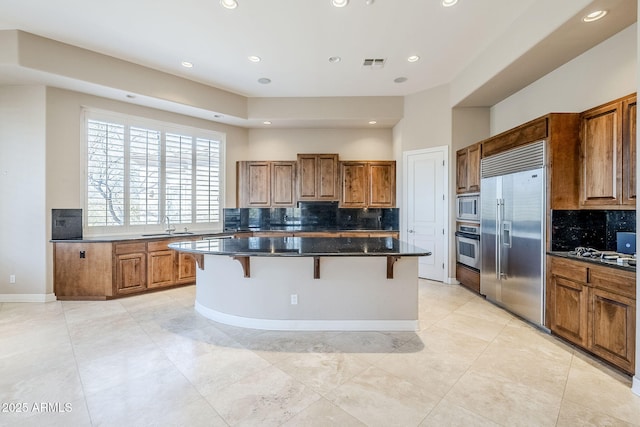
<point x="425" y="208"/>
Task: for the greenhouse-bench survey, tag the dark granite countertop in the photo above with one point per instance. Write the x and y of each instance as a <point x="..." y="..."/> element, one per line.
<point x="301" y="247"/>
<point x="146" y="236"/>
<point x="312" y="228"/>
<point x="604" y="262"/>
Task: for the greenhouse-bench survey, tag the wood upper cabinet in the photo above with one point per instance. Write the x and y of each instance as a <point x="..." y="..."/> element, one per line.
<point x="607" y="155"/>
<point x="368" y="184"/>
<point x="318" y="177"/>
<point x="283" y="184"/>
<point x="468" y="169"/>
<point x="594" y="307"/>
<point x="354" y="180"/>
<point x="629" y="164"/>
<point x="266" y="184"/>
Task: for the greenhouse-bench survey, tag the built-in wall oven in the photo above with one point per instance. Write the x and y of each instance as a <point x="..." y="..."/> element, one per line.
<point x="468" y="245"/>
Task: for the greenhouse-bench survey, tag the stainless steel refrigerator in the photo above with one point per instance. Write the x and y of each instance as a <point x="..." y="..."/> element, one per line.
<point x="512" y="230"/>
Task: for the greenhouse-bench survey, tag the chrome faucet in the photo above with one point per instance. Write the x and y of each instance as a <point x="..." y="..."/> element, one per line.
<point x="169" y="229"/>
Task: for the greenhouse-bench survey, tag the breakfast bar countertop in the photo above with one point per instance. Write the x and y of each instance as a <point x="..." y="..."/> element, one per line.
<point x="301" y="247"/>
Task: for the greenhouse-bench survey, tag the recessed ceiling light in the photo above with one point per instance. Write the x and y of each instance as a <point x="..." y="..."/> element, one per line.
<point x="449" y="3"/>
<point x="372" y="122"/>
<point x="594" y="16"/>
<point x="264" y="80"/>
<point x="368" y="2"/>
<point x="339" y="3"/>
<point x="254" y="58"/>
<point x="335" y="59"/>
<point x="229" y="4"/>
<point x="413" y="58"/>
<point x="187" y="64"/>
<point x="266" y="122"/>
<point x="400" y="79"/>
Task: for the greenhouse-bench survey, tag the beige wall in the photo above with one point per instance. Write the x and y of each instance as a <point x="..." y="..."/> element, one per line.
<point x="603" y="73"/>
<point x="64" y="141"/>
<point x="23" y="217"/>
<point x="350" y="144"/>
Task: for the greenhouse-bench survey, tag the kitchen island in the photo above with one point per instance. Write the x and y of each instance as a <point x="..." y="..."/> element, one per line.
<point x="300" y="283"/>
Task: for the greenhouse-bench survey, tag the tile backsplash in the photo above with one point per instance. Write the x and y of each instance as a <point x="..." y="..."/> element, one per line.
<point x="312" y="216"/>
<point x="591" y="228"/>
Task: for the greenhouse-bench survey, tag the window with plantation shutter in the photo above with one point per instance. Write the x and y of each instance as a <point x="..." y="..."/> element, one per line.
<point x="140" y="172"/>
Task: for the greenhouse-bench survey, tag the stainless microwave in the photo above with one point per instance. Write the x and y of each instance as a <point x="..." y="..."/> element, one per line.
<point x="468" y="207"/>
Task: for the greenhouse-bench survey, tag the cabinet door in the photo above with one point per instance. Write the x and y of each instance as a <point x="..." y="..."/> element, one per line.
<point x="629" y="165"/>
<point x="612" y="328"/>
<point x="160" y="268"/>
<point x="307" y="176"/>
<point x="186" y="272"/>
<point x="283" y="179"/>
<point x="82" y="270"/>
<point x="354" y="182"/>
<point x="254" y="184"/>
<point x="382" y="184"/>
<point x="473" y="168"/>
<point x="462" y="158"/>
<point x="130" y="272"/>
<point x="327" y="177"/>
<point x="568" y="309"/>
<point x="601" y="156"/>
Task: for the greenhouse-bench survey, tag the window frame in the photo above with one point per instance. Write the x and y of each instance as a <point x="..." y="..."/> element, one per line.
<point x="130" y="121"/>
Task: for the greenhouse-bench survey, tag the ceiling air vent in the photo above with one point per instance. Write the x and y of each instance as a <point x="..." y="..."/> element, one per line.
<point x="373" y="63"/>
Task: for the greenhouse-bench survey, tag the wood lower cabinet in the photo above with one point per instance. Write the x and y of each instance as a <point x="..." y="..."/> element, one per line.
<point x="567" y="307"/>
<point x="368" y="184"/>
<point x="186" y="271"/>
<point x="594" y="307"/>
<point x="83" y="270"/>
<point x="161" y="268"/>
<point x="130" y="267"/>
<point x="110" y="270"/>
<point x="468" y="277"/>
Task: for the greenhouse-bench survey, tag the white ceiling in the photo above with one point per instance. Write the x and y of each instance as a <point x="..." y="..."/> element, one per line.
<point x="294" y="38"/>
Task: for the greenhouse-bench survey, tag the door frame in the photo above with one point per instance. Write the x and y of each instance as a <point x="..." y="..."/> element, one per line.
<point x="445" y="150"/>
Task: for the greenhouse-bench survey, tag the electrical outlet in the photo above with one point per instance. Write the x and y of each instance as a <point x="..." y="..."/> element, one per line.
<point x="294" y="299"/>
<point x="12" y="278"/>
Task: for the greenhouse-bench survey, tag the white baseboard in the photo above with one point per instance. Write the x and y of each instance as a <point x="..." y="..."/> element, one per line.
<point x="27" y="297"/>
<point x="635" y="386"/>
<point x="308" y="325"/>
<point x="452" y="281"/>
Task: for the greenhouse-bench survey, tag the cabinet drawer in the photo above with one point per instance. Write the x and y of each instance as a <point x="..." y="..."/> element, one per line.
<point x="613" y="280"/>
<point x="161" y="245"/>
<point x="129" y="248"/>
<point x="573" y="270"/>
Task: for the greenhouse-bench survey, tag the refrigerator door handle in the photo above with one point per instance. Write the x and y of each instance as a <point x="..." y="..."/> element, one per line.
<point x="498" y="257"/>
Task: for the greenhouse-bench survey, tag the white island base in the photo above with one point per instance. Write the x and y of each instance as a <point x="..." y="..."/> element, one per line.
<point x="351" y="294"/>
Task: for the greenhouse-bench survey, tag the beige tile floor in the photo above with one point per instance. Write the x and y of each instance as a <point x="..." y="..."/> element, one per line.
<point x="152" y="360"/>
